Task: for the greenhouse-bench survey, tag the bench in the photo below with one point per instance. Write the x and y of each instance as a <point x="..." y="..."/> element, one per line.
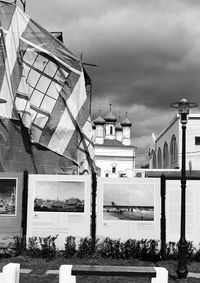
<point x="68" y="273"/>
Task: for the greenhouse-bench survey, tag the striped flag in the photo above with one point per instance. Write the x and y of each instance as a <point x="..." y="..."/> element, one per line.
<point x="44" y="83"/>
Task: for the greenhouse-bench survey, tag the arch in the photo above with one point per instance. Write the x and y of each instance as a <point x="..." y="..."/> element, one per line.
<point x="165" y="156"/>
<point x="154" y="160"/>
<point x="159" y="158"/>
<point x="173" y="152"/>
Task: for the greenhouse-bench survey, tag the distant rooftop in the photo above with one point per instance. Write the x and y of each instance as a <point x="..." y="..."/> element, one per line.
<point x="114" y="143"/>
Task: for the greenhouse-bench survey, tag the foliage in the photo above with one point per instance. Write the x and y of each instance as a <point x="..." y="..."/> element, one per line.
<point x="35" y="247"/>
<point x="32" y="247"/>
<point x="86" y="247"/>
<point x="171" y="250"/>
<point x="109" y="248"/>
<point x="70" y="247"/>
<point x="131" y="249"/>
<point x="19" y="245"/>
<point x="48" y="246"/>
<point x="149" y="250"/>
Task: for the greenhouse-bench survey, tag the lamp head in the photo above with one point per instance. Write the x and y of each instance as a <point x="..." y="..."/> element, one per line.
<point x="183" y="108"/>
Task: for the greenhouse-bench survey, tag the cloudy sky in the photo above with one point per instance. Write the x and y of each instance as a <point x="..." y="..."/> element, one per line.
<point x="147" y="52"/>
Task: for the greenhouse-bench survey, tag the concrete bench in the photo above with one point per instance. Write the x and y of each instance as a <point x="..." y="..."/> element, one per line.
<point x="68" y="273"/>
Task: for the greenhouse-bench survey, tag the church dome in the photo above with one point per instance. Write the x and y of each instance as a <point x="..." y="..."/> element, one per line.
<point x="110" y="117"/>
<point x="99" y="121"/>
<point x="126" y="122"/>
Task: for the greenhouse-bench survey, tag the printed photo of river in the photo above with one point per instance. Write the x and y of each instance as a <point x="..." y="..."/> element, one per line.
<point x="130" y="202"/>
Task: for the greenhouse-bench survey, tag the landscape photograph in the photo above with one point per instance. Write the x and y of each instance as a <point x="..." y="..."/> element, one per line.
<point x="133" y="202"/>
<point x="59" y="196"/>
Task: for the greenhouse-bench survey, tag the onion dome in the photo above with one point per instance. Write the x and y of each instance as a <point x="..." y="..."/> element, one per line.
<point x="99" y="121"/>
<point x="126" y="122"/>
<point x="110" y="117"/>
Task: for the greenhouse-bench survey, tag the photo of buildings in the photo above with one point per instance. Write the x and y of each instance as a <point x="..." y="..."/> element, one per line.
<point x="59" y="196"/>
<point x="8" y="196"/>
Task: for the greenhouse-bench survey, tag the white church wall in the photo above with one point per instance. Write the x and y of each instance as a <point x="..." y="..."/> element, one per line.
<point x="192" y="150"/>
<point x="166" y="136"/>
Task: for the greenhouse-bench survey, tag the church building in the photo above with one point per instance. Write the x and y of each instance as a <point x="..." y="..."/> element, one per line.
<point x="114" y="152"/>
<point x="167" y="151"/>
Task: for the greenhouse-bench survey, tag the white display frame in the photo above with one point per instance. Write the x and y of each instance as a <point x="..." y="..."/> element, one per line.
<point x="126" y="229"/>
<point x="58" y="223"/>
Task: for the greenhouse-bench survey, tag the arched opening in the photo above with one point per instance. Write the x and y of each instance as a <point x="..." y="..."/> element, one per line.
<point x="159" y="158"/>
<point x="165" y="156"/>
<point x="173" y="153"/>
<point x="154" y="160"/>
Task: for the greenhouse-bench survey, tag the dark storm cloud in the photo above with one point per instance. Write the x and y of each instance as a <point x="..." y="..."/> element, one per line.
<point x="148" y="53"/>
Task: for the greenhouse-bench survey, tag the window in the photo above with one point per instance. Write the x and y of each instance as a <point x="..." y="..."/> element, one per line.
<point x="111" y="130"/>
<point x="154" y="160"/>
<point x="113" y="169"/>
<point x="159" y="158"/>
<point x="197" y="140"/>
<point x="173" y="153"/>
<point x="106" y="175"/>
<point x="165" y="156"/>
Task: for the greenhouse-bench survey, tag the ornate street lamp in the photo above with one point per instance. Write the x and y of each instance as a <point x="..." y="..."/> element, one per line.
<point x="183" y="109"/>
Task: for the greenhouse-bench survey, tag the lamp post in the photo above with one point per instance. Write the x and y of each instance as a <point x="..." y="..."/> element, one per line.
<point x="183" y="109"/>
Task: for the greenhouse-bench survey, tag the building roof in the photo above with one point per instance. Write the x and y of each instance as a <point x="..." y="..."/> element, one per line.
<point x="114" y="143"/>
<point x="110" y="117"/>
<point x="173" y="174"/>
<point x="126" y="122"/>
<point x="99" y="121"/>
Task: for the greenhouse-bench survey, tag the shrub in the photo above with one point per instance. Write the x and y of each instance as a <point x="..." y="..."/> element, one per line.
<point x="149" y="250"/>
<point x="70" y="247"/>
<point x="87" y="247"/>
<point x="33" y="249"/>
<point x="131" y="249"/>
<point x="109" y="248"/>
<point x="19" y="245"/>
<point x="48" y="246"/>
<point x="191" y="251"/>
<point x="197" y="255"/>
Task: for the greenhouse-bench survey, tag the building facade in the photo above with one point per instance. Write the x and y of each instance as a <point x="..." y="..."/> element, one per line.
<point x="168" y="145"/>
<point x="114" y="152"/>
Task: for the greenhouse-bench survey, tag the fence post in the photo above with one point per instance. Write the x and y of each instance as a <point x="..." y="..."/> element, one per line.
<point x="93" y="216"/>
<point x="65" y="274"/>
<point x="161" y="275"/>
<point x="24" y="203"/>
<point x="163" y="216"/>
<point x="11" y="273"/>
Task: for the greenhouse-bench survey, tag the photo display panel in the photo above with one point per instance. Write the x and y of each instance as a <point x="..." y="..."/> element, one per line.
<point x="173" y="211"/>
<point x="59" y="205"/>
<point x="11" y="187"/>
<point x="128" y="208"/>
